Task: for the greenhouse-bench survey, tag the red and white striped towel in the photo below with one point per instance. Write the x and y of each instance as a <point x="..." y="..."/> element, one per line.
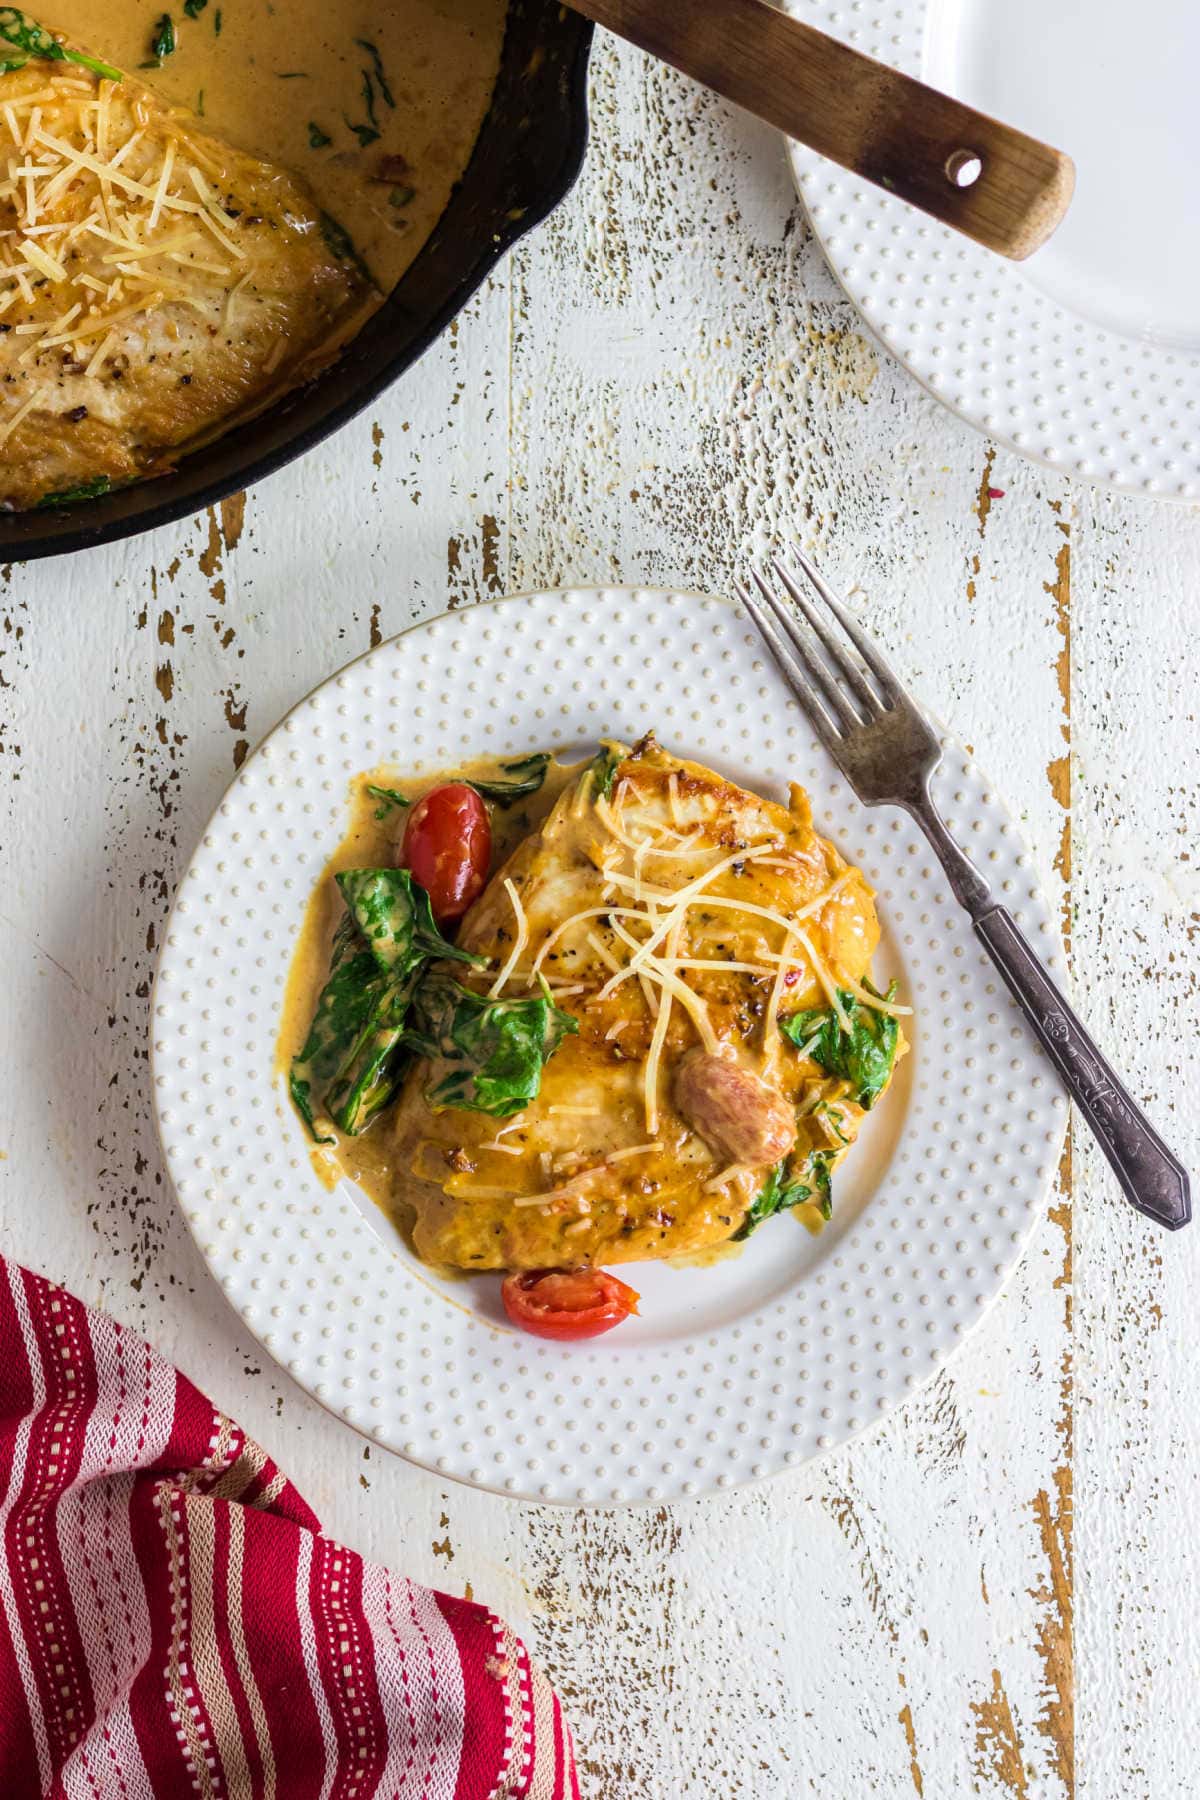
<point x="172" y="1621"/>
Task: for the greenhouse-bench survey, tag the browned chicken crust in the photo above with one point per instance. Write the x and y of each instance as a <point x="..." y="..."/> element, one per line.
<point x="154" y="282"/>
<point x="644" y="1141"/>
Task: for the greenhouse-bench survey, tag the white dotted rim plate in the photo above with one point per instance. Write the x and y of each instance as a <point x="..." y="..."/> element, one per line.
<point x="973" y="328"/>
<point x="733" y="1372"/>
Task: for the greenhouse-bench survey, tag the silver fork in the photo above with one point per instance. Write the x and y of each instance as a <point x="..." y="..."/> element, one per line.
<point x="887" y="751"/>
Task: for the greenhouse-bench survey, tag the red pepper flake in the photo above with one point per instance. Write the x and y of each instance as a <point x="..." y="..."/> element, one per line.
<point x="995" y="493"/>
<point x="791" y="978"/>
<point x="391" y="169"/>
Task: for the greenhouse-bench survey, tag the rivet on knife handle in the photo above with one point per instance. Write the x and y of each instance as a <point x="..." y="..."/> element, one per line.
<point x="1152" y="1179"/>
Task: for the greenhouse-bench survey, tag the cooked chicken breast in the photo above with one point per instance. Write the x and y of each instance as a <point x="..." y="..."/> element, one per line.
<point x="154" y="283"/>
<point x="679" y="919"/>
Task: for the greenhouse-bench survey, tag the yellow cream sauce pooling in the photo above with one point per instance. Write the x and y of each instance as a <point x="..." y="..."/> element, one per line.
<point x="374" y="842"/>
<point x="372" y="839"/>
<point x="278" y="76"/>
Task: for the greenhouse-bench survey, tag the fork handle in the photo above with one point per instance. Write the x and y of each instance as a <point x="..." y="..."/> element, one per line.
<point x="1152" y="1180"/>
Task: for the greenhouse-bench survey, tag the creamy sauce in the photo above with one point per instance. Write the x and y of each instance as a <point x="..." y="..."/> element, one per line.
<point x="280" y="75"/>
<point x="708" y="1257"/>
<point x="808" y="1212"/>
<point x="381" y="1161"/>
<point x="372" y="841"/>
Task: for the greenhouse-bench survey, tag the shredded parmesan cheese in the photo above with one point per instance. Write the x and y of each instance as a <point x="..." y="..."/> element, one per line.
<point x="589" y="912"/>
<point x="103" y="352"/>
<point x="828" y="984"/>
<point x="42" y="261"/>
<point x="648" y="994"/>
<point x="602" y="951"/>
<point x="10" y="425"/>
<point x="160" y="191"/>
<point x="772" y="1015"/>
<point x="725" y="1177"/>
<point x="104" y="220"/>
<point x="660" y="972"/>
<point x="570" y="1190"/>
<point x="866" y="998"/>
<point x="741" y="968"/>
<point x="679" y="905"/>
<point x="641" y="846"/>
<point x="519" y="941"/>
<point x="719" y="903"/>
<point x="80" y="159"/>
<point x="654" y="1055"/>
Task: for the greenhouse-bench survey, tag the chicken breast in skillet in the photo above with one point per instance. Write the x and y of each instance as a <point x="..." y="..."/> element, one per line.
<point x="153" y="281"/>
<point x="687" y="927"/>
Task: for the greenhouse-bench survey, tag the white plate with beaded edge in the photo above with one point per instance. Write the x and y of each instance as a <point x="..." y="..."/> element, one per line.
<point x="732" y="1372"/>
<point x="1087" y="356"/>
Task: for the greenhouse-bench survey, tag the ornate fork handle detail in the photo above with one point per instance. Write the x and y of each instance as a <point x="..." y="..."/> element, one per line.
<point x="887" y="749"/>
<point x="1151" y="1178"/>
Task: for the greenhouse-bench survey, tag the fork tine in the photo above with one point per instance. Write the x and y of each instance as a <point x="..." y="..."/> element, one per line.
<point x="819" y="673"/>
<point x="858" y="637"/>
<point x="795" y="677"/>
<point x="845" y="667"/>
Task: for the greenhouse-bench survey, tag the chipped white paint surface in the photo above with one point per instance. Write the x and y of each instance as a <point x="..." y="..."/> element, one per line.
<point x="663" y="381"/>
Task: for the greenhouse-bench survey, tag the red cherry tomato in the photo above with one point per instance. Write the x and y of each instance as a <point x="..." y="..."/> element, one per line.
<point x="567" y="1303"/>
<point x="448" y="847"/>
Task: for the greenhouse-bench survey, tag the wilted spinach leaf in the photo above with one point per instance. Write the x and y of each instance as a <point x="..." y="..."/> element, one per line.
<point x="162" y="44"/>
<point x="604" y="770"/>
<point x="84" y="490"/>
<point x="372" y="51"/>
<point x="393" y="915"/>
<point x="348" y="1003"/>
<point x="339" y="241"/>
<point x="301" y="1093"/>
<point x="370" y="1073"/>
<point x="25" y="38"/>
<point x="389" y="799"/>
<point x="494" y="1050"/>
<point x="527" y="776"/>
<point x="781" y="1190"/>
<point x="863" y="1056"/>
<point x="352" y="1060"/>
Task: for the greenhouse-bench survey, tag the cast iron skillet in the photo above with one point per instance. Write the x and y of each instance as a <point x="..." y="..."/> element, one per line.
<point x="527" y="155"/>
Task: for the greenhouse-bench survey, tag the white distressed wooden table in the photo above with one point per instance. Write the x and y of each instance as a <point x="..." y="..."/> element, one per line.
<point x="660" y="383"/>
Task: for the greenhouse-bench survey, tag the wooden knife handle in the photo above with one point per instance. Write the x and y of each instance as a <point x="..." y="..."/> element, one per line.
<point x="885" y="126"/>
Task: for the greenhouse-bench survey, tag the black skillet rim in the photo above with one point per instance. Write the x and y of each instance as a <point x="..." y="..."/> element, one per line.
<point x="539" y="118"/>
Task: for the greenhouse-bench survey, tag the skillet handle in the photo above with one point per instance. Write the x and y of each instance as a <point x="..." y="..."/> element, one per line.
<point x="1006" y="190"/>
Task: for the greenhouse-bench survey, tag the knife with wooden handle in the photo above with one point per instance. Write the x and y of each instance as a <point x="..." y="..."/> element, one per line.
<point x="993" y="183"/>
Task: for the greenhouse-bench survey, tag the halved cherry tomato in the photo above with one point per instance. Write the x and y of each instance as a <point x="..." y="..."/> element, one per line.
<point x="567" y="1303"/>
<point x="448" y="847"/>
